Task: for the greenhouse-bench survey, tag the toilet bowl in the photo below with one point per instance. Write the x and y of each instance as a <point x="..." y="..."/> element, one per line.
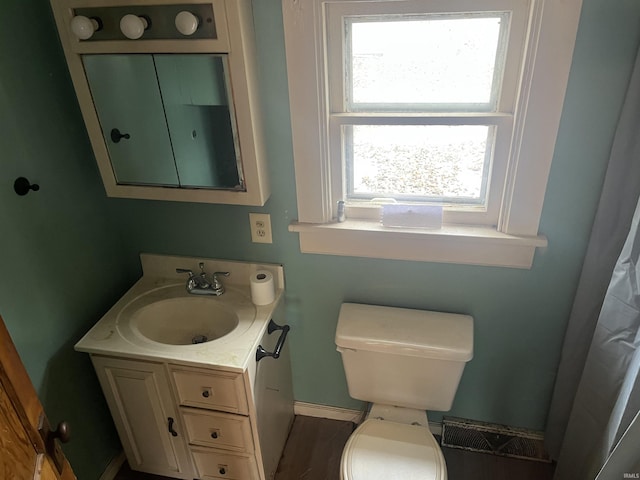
<point x="383" y="450"/>
<point x="405" y="362"/>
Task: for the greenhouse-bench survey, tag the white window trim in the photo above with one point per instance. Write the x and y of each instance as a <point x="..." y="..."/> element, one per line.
<point x="513" y="241"/>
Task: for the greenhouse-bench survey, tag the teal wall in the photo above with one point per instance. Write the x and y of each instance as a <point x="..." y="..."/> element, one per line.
<point x="67" y="252"/>
<point x="61" y="261"/>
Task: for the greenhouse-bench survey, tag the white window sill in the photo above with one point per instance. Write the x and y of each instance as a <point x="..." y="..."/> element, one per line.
<point x="469" y="245"/>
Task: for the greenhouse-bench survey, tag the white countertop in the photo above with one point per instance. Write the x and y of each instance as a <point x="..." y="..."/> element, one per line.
<point x="232" y="352"/>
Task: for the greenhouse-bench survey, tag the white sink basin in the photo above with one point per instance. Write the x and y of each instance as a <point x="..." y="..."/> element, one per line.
<point x="172" y="317"/>
<point x="184" y="321"/>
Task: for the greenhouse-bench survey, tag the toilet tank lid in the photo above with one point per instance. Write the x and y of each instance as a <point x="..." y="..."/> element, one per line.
<point x="403" y="331"/>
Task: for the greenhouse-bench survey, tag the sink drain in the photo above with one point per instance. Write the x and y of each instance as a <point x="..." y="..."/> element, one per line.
<point x="199" y="339"/>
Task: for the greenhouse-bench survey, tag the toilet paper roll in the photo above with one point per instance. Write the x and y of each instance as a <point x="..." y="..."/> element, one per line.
<point x="263" y="290"/>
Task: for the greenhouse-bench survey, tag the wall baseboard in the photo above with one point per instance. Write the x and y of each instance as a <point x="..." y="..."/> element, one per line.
<point x="344" y="414"/>
<point x="325" y="411"/>
<point x="113" y="467"/>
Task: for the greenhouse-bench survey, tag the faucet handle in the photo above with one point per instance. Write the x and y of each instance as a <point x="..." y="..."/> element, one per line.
<point x="184" y="270"/>
<point x="217" y="284"/>
<point x="191" y="281"/>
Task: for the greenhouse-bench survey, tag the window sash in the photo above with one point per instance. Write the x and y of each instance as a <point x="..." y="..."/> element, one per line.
<point x="334" y="13"/>
<point x="499" y="60"/>
<point x="402" y="196"/>
<point x="486" y="214"/>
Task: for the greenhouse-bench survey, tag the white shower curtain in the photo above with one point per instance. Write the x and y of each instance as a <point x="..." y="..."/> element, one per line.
<point x="608" y="396"/>
<point x="593" y="428"/>
<point x="623" y="461"/>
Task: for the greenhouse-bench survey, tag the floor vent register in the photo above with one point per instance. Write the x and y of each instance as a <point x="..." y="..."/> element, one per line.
<point x="492" y="438"/>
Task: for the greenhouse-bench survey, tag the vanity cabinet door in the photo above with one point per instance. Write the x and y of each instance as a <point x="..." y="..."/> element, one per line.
<point x="127" y="99"/>
<point x="139" y="397"/>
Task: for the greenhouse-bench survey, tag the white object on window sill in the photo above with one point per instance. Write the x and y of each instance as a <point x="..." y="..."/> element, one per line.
<point x="414" y="216"/>
<point x="469" y="245"/>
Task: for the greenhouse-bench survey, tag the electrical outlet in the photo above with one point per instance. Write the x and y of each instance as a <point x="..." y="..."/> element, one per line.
<point x="260" y="227"/>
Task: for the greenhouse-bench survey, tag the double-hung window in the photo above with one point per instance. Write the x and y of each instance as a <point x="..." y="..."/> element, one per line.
<point x="448" y="103"/>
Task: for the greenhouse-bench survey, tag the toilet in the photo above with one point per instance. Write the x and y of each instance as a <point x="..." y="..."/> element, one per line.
<point x="403" y="362"/>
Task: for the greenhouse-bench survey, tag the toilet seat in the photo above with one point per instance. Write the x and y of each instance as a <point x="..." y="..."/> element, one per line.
<point x="385" y="450"/>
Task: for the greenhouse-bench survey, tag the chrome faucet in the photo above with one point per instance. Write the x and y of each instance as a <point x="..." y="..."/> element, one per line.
<point x="200" y="284"/>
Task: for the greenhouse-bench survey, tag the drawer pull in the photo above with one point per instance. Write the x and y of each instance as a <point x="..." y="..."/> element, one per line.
<point x="273" y="326"/>
<point x="214" y="435"/>
<point x="222" y="471"/>
<point x="206" y="393"/>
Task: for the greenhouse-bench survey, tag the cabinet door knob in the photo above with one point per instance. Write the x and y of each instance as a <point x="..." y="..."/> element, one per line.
<point x="116" y="136"/>
<point x="222" y="471"/>
<point x="206" y="394"/>
<point x="214" y="435"/>
<point x="171" y="430"/>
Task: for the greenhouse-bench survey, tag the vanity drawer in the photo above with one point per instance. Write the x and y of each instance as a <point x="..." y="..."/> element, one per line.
<point x="213" y="390"/>
<point x="216" y="464"/>
<point x="217" y="429"/>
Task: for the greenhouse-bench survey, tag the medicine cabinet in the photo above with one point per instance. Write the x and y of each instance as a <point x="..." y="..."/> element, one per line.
<point x="168" y="92"/>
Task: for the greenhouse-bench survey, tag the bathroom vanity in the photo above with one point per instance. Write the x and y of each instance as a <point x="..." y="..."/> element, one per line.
<point x="209" y="409"/>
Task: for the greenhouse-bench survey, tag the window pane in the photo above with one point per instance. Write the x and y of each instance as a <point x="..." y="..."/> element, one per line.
<point x="419" y="162"/>
<point x="429" y="59"/>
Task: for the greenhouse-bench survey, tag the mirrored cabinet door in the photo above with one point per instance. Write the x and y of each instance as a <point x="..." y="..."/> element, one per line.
<point x="166" y="119"/>
<point x="129" y="105"/>
<point x="200" y="120"/>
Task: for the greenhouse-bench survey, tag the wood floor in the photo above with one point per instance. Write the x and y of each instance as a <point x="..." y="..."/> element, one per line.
<point x="315" y="445"/>
<point x="313" y="449"/>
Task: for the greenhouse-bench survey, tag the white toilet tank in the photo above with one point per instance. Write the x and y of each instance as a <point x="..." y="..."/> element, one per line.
<point x="403" y="357"/>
